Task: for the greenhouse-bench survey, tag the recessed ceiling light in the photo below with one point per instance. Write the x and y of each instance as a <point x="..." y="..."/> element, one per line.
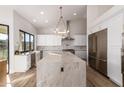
<point x="41" y="12"/>
<point x="34" y="20"/>
<point x="74" y="13"/>
<point x="46" y="21"/>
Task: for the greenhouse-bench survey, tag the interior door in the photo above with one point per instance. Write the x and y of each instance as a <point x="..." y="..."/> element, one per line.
<point x="4" y="53"/>
<point x="90" y="43"/>
<point x="4" y="44"/>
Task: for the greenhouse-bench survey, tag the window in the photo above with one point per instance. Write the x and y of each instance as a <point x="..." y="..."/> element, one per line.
<point x="22" y="39"/>
<point x="27" y="41"/>
<point x="32" y="42"/>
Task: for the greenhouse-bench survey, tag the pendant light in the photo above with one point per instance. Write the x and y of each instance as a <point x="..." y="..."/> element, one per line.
<point x="61" y="28"/>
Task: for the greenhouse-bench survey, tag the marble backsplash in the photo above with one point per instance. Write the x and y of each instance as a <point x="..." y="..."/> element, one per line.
<point x="76" y="48"/>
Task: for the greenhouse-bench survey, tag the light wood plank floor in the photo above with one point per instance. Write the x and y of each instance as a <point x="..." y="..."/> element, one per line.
<point x="28" y="79"/>
<point x="95" y="79"/>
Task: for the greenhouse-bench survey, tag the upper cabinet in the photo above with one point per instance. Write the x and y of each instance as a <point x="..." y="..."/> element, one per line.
<point x="48" y="40"/>
<point x="79" y="40"/>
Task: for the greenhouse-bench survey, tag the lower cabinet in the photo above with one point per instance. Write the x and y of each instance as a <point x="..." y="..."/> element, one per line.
<point x="102" y="67"/>
<point x="99" y="65"/>
<point x="33" y="59"/>
<point x="22" y="63"/>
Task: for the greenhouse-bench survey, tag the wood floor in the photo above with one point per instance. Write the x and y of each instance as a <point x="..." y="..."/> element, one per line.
<point x="95" y="79"/>
<point x="28" y="79"/>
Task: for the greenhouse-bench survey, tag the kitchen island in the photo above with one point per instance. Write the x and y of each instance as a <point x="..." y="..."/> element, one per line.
<point x="61" y="70"/>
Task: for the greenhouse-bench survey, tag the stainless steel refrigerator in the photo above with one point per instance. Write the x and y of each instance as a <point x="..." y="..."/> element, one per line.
<point x="122" y="56"/>
<point x="98" y="51"/>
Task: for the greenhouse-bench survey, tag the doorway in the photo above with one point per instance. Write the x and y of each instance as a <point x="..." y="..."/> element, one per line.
<point x="4" y="46"/>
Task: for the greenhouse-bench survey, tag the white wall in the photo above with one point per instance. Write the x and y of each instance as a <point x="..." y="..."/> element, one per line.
<point x="95" y="11"/>
<point x="92" y="14"/>
<point x="6" y="17"/>
<point x="23" y="24"/>
<point x="78" y="26"/>
<point x="114" y="24"/>
<point x="103" y="8"/>
<point x="9" y="17"/>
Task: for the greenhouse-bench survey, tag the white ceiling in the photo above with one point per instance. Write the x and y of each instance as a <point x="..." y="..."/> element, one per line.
<point x="51" y="13"/>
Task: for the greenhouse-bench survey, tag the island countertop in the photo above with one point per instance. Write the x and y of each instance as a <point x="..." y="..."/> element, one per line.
<point x="61" y="70"/>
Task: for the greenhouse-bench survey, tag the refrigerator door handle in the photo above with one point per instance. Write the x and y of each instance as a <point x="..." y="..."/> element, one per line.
<point x="103" y="60"/>
<point x="93" y="57"/>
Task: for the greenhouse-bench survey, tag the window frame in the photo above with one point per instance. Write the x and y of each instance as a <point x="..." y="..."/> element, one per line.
<point x="29" y="41"/>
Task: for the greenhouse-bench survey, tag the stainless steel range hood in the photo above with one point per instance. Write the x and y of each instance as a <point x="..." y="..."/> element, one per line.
<point x="68" y="30"/>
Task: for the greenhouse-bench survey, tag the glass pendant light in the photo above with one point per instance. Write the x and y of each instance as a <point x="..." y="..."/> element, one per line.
<point x="61" y="28"/>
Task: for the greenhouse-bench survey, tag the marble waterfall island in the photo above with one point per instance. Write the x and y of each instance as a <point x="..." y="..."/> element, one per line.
<point x="61" y="70"/>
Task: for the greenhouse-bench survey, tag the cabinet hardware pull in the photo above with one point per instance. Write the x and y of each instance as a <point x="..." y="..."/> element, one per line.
<point x="62" y="69"/>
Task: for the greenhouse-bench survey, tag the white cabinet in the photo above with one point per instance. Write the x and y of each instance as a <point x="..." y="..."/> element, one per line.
<point x="81" y="54"/>
<point x="37" y="56"/>
<point x="48" y="40"/>
<point x="79" y="40"/>
<point x="22" y="63"/>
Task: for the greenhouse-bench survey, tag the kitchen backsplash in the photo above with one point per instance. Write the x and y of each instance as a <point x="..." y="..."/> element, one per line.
<point x="82" y="48"/>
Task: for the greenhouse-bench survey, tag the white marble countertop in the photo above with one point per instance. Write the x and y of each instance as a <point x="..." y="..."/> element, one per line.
<point x="61" y="70"/>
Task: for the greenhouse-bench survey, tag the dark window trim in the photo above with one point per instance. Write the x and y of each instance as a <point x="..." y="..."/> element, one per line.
<point x="29" y="41"/>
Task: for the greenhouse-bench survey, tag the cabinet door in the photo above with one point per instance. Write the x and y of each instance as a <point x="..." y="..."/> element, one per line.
<point x="92" y="50"/>
<point x="102" y="44"/>
<point x="28" y="62"/>
<point x="48" y="40"/>
<point x="92" y="45"/>
<point x="92" y="62"/>
<point x="33" y="60"/>
<point x="102" y="51"/>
